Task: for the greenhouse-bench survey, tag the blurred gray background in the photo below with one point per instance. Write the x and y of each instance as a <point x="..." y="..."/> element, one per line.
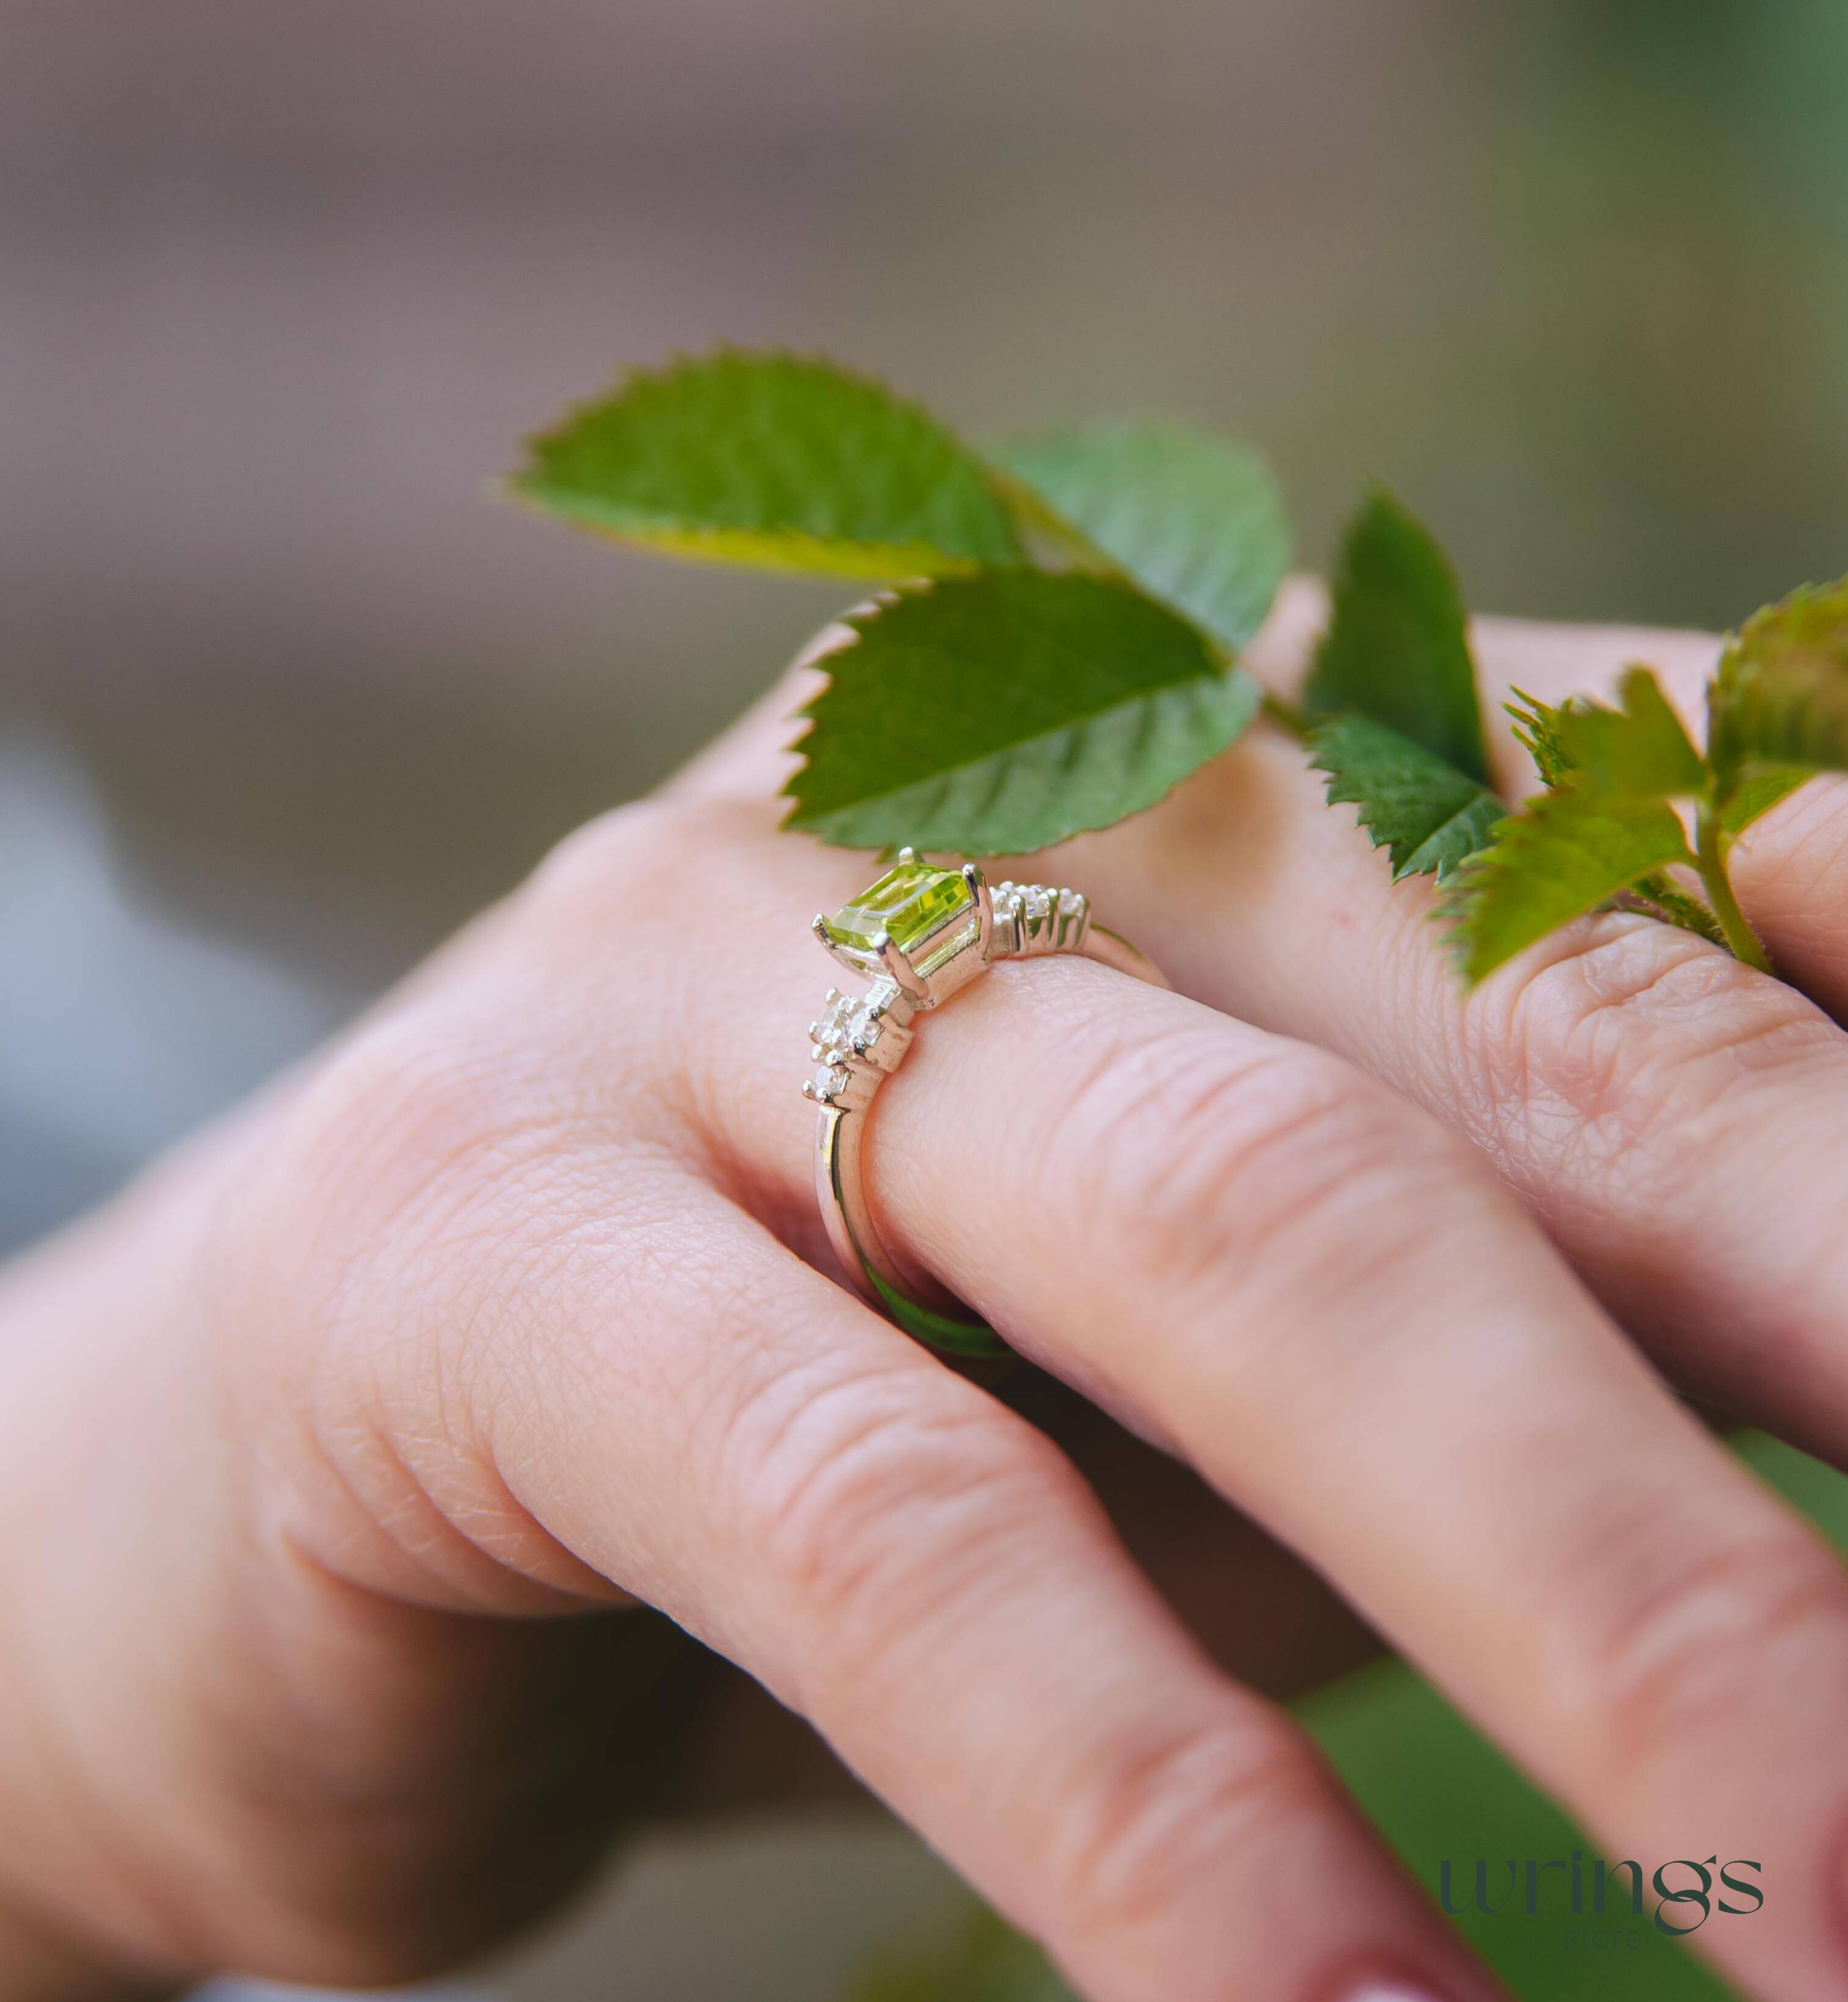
<point x="282" y="699"/>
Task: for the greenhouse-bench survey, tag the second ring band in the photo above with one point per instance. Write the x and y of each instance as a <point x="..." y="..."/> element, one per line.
<point x="921" y="933"/>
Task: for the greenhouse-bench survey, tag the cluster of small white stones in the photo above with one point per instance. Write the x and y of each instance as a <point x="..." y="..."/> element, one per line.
<point x="850" y="1026"/>
<point x="1039" y="914"/>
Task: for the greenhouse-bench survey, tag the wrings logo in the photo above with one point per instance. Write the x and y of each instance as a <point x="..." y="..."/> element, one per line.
<point x="1686" y="1893"/>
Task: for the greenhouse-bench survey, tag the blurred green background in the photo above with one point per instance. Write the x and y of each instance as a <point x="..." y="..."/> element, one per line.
<point x="282" y="699"/>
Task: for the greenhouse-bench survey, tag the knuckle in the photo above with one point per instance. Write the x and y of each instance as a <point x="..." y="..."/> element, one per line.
<point x="628" y="869"/>
<point x="1145" y="1830"/>
<point x="421" y="1209"/>
<point x="1623" y="1038"/>
<point x="611" y="859"/>
<point x="1686" y="1634"/>
<point x="877" y="1509"/>
<point x="423" y="1110"/>
<point x="1204" y="1167"/>
<point x="353" y="1281"/>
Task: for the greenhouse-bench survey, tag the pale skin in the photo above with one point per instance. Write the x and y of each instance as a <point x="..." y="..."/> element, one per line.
<point x="318" y="1448"/>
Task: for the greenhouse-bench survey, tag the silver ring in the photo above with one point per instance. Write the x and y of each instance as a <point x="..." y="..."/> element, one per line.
<point x="921" y="934"/>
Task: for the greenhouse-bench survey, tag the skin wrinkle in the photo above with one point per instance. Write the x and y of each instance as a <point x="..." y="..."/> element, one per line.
<point x="280" y="1678"/>
<point x="782" y="1403"/>
<point x="946" y="1614"/>
<point x="1184" y="1807"/>
<point x="1563" y="1036"/>
<point x="929" y="1610"/>
<point x="1325" y="1160"/>
<point x="410" y="1373"/>
<point x="831" y="1464"/>
<point x="398" y="1500"/>
<point x="1180" y="1807"/>
<point x="209" y="1658"/>
<point x="912" y="1595"/>
<point x="1138" y="1084"/>
<point x="730" y="1290"/>
<point x="482" y="1149"/>
<point x="1575" y="1203"/>
<point x="581" y="1241"/>
<point x="1674" y="1661"/>
<point x="1630" y="1130"/>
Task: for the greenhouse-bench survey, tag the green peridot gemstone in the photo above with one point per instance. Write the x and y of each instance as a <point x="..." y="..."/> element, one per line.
<point x="910" y="903"/>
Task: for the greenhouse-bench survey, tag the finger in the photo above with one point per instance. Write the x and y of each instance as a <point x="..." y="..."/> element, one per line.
<point x="662" y="1391"/>
<point x="1324" y="1302"/>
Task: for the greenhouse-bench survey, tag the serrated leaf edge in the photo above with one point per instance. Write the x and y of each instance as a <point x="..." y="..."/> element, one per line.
<point x="687" y="541"/>
<point x="1443" y="872"/>
<point x="850" y="625"/>
<point x="1470" y="882"/>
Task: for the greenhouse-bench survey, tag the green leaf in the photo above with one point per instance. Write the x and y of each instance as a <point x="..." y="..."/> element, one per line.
<point x="1536" y="726"/>
<point x="1429" y="816"/>
<point x="1758" y="794"/>
<point x="772" y="460"/>
<point x="1778" y="709"/>
<point x="1196" y="520"/>
<point x="1397" y="646"/>
<point x="996" y="714"/>
<point x="1568" y="852"/>
<point x="1639" y="749"/>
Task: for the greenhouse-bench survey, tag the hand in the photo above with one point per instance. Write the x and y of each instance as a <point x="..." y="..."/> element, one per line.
<point x="511" y="1306"/>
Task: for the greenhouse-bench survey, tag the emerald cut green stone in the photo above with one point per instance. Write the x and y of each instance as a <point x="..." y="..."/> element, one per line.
<point x="911" y="903"/>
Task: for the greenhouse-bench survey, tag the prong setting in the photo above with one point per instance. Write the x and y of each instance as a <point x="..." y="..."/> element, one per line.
<point x="901" y="972"/>
<point x="952" y="926"/>
<point x="985" y="911"/>
<point x="923" y="933"/>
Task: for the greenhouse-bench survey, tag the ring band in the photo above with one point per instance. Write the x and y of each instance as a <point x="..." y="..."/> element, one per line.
<point x="921" y="934"/>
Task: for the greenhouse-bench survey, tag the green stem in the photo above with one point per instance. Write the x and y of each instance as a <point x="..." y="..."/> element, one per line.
<point x="1710" y="845"/>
